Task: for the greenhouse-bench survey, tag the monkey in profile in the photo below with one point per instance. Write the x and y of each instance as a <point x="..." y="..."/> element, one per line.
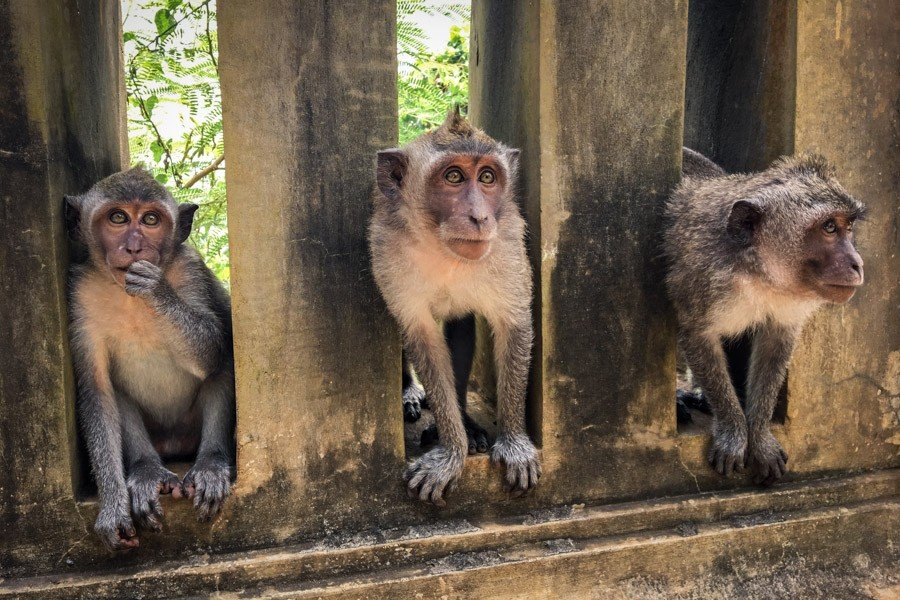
<point x="447" y="242"/>
<point x="151" y="341"/>
<point x="754" y="253"/>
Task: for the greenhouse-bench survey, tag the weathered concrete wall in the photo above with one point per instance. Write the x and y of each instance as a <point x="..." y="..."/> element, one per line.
<point x="62" y="117"/>
<point x="844" y="385"/>
<point x="740" y="86"/>
<point x="593" y="93"/>
<point x="559" y="80"/>
<point x="308" y="98"/>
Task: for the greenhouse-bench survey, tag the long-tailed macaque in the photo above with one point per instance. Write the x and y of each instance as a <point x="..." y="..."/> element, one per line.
<point x="447" y="241"/>
<point x="754" y="253"/>
<point x="152" y="350"/>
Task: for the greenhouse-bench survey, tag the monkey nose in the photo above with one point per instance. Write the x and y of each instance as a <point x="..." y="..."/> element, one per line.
<point x="478" y="219"/>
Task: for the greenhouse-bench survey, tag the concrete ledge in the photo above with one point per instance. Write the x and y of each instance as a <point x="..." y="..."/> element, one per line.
<point x="845" y="523"/>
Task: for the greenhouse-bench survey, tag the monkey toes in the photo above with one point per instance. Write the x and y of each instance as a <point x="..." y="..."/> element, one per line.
<point x="523" y="467"/>
<point x="413" y="402"/>
<point x="767" y="459"/>
<point x="433" y="475"/>
<point x="208" y="483"/>
<point x="146" y="481"/>
<point x="115" y="528"/>
<point x="477" y="436"/>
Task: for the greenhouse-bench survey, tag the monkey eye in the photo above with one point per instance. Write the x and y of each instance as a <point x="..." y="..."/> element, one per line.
<point x="151" y="219"/>
<point x="487" y="177"/>
<point x="830" y="226"/>
<point x="454" y="176"/>
<point x="118" y="217"/>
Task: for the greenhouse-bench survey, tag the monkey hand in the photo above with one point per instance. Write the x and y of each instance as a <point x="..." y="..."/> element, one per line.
<point x="766" y="457"/>
<point x="146" y="481"/>
<point x="208" y="483"/>
<point x="523" y="467"/>
<point x="434" y="474"/>
<point x="144" y="279"/>
<point x="413" y="402"/>
<point x="114" y="526"/>
<point x="729" y="446"/>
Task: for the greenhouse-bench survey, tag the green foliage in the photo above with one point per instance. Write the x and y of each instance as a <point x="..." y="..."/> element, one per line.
<point x="175" y="106"/>
<point x="175" y="110"/>
<point x="430" y="84"/>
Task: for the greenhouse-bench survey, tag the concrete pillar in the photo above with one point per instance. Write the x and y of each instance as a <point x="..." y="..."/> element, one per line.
<point x="309" y="96"/>
<point x="843" y="408"/>
<point x="739" y="98"/>
<point x="593" y="94"/>
<point x="62" y="127"/>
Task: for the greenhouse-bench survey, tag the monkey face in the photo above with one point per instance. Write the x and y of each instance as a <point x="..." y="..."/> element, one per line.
<point x="131" y="231"/>
<point x="463" y="201"/>
<point x="832" y="268"/>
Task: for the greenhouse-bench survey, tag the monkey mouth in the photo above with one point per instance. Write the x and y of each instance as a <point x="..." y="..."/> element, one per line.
<point x="839" y="293"/>
<point x="468" y="248"/>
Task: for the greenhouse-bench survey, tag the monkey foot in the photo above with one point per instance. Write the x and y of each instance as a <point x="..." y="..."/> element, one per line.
<point x="523" y="468"/>
<point x="767" y="459"/>
<point x="146" y="481"/>
<point x="115" y="528"/>
<point x="413" y="402"/>
<point x="433" y="475"/>
<point x="476" y="435"/>
<point x="729" y="448"/>
<point x="208" y="483"/>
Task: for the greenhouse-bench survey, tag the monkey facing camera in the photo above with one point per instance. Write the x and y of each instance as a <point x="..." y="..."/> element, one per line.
<point x="447" y="242"/>
<point x="755" y="253"/>
<point x="150" y="330"/>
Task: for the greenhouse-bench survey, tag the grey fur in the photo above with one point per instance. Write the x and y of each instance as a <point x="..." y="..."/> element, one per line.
<point x="187" y="371"/>
<point x="733" y="247"/>
<point x="422" y="285"/>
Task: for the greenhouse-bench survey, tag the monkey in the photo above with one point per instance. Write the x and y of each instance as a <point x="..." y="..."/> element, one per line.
<point x="460" y="337"/>
<point x="447" y="241"/>
<point x="151" y="345"/>
<point x="754" y="253"/>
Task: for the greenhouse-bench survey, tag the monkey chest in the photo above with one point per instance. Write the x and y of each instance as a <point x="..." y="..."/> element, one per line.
<point x="148" y="361"/>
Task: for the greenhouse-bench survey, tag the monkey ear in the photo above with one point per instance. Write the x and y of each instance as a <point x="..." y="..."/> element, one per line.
<point x="743" y="221"/>
<point x="390" y="171"/>
<point x="72" y="215"/>
<point x="185" y="221"/>
<point x="512" y="157"/>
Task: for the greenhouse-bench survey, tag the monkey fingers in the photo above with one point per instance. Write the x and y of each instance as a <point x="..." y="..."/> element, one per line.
<point x="433" y="475"/>
<point x="768" y="460"/>
<point x="523" y="467"/>
<point x="142" y="278"/>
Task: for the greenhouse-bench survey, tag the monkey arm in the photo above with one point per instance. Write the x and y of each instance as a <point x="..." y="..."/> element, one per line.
<point x="512" y="355"/>
<point x="707" y="361"/>
<point x="216" y="399"/>
<point x="101" y="427"/>
<point x="772" y="348"/>
<point x="430" y="357"/>
<point x="200" y="327"/>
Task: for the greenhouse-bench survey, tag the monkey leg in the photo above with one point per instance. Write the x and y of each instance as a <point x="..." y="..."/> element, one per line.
<point x="460" y="337"/>
<point x="208" y="482"/>
<point x="414" y="399"/>
<point x="146" y="477"/>
<point x="772" y="348"/>
<point x="512" y="354"/>
<point x="707" y="361"/>
<point x="435" y="473"/>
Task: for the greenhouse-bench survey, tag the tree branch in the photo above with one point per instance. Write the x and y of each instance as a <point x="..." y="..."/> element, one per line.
<point x="203" y="173"/>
